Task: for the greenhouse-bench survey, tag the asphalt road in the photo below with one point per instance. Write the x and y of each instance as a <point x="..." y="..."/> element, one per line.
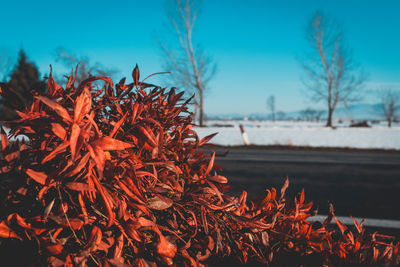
<point x="358" y="183"/>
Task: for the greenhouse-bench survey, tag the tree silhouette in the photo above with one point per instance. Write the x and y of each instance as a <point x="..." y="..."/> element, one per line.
<point x="390" y="105"/>
<point x="271" y="106"/>
<point x="332" y="76"/>
<point x="191" y="69"/>
<point x="18" y="92"/>
<point x="86" y="67"/>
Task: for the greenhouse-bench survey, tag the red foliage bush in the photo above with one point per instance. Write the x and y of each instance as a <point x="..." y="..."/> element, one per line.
<point x="113" y="176"/>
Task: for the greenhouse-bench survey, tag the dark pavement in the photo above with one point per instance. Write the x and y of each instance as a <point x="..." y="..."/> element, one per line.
<point x="358" y="183"/>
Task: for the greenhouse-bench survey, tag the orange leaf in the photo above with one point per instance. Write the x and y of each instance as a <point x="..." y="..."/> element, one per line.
<point x="136" y="75"/>
<point x="55" y="249"/>
<point x="4" y="139"/>
<point x="79" y="186"/>
<point x="83" y="105"/>
<point x="357" y="225"/>
<point x="11" y="156"/>
<point x="143" y="222"/>
<point x="6" y="232"/>
<point x="148" y="134"/>
<point x="210" y="164"/>
<point x="57" y="150"/>
<point x="82" y="163"/>
<point x="159" y="202"/>
<point x="206" y="139"/>
<point x="99" y="158"/>
<point x="60" y="110"/>
<point x="165" y="248"/>
<point x="301" y="201"/>
<point x="284" y="187"/>
<point x="219" y="179"/>
<point x="108" y="143"/>
<point x="75" y="132"/>
<point x="118" y="247"/>
<point x="95" y="78"/>
<point x="118" y="125"/>
<point x="58" y="130"/>
<point x="52" y="86"/>
<point x="39" y="177"/>
<point x="95" y="239"/>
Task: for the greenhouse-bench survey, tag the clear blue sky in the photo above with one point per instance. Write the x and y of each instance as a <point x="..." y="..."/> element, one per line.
<point x="255" y="43"/>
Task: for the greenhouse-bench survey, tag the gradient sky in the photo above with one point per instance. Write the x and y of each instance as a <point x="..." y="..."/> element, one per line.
<point x="255" y="43"/>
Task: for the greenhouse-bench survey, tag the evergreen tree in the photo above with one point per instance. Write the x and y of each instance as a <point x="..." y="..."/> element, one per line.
<point x="18" y="93"/>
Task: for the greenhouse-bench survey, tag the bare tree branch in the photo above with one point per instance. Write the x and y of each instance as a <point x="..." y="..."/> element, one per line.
<point x="191" y="69"/>
<point x="331" y="74"/>
<point x="390" y="105"/>
<point x="86" y="68"/>
<point x="271" y="106"/>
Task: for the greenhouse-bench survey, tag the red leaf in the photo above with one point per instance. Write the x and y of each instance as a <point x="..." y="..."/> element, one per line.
<point x="206" y="139"/>
<point x="83" y="105"/>
<point x="11" y="156"/>
<point x="58" y="130"/>
<point x="99" y="158"/>
<point x="159" y="202"/>
<point x="118" y="247"/>
<point x="60" y="110"/>
<point x="4" y="139"/>
<point x="61" y="148"/>
<point x="55" y="249"/>
<point x="143" y="222"/>
<point x="218" y="178"/>
<point x="148" y="134"/>
<point x="95" y="78"/>
<point x="136" y="75"/>
<point x="6" y="232"/>
<point x="82" y="163"/>
<point x="39" y="177"/>
<point x="108" y="143"/>
<point x="284" y="187"/>
<point x="118" y="125"/>
<point x="94" y="240"/>
<point x="301" y="201"/>
<point x="79" y="186"/>
<point x="75" y="132"/>
<point x="210" y="164"/>
<point x="52" y="86"/>
<point x="358" y="226"/>
<point x="165" y="248"/>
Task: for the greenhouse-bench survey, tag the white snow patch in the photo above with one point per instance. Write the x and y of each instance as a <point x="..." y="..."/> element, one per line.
<point x="304" y="134"/>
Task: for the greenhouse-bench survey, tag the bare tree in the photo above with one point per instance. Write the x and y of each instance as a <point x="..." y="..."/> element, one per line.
<point x="308" y="114"/>
<point x="191" y="69"/>
<point x="271" y="106"/>
<point x="390" y="105"/>
<point x="332" y="77"/>
<point x="86" y="67"/>
<point x="280" y="115"/>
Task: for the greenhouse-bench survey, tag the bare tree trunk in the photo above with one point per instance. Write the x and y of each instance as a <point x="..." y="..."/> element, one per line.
<point x="201" y="114"/>
<point x="329" y="121"/>
<point x="390" y="122"/>
<point x="188" y="63"/>
<point x="196" y="113"/>
<point x="331" y="73"/>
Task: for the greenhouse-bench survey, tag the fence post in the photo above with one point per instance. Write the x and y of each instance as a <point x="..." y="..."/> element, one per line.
<point x="244" y="135"/>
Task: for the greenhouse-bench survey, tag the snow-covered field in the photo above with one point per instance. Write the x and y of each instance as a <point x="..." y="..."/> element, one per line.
<point x="303" y="134"/>
<point x="293" y="133"/>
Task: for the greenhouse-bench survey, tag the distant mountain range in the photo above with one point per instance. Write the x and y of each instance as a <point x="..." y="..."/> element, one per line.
<point x="354" y="112"/>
